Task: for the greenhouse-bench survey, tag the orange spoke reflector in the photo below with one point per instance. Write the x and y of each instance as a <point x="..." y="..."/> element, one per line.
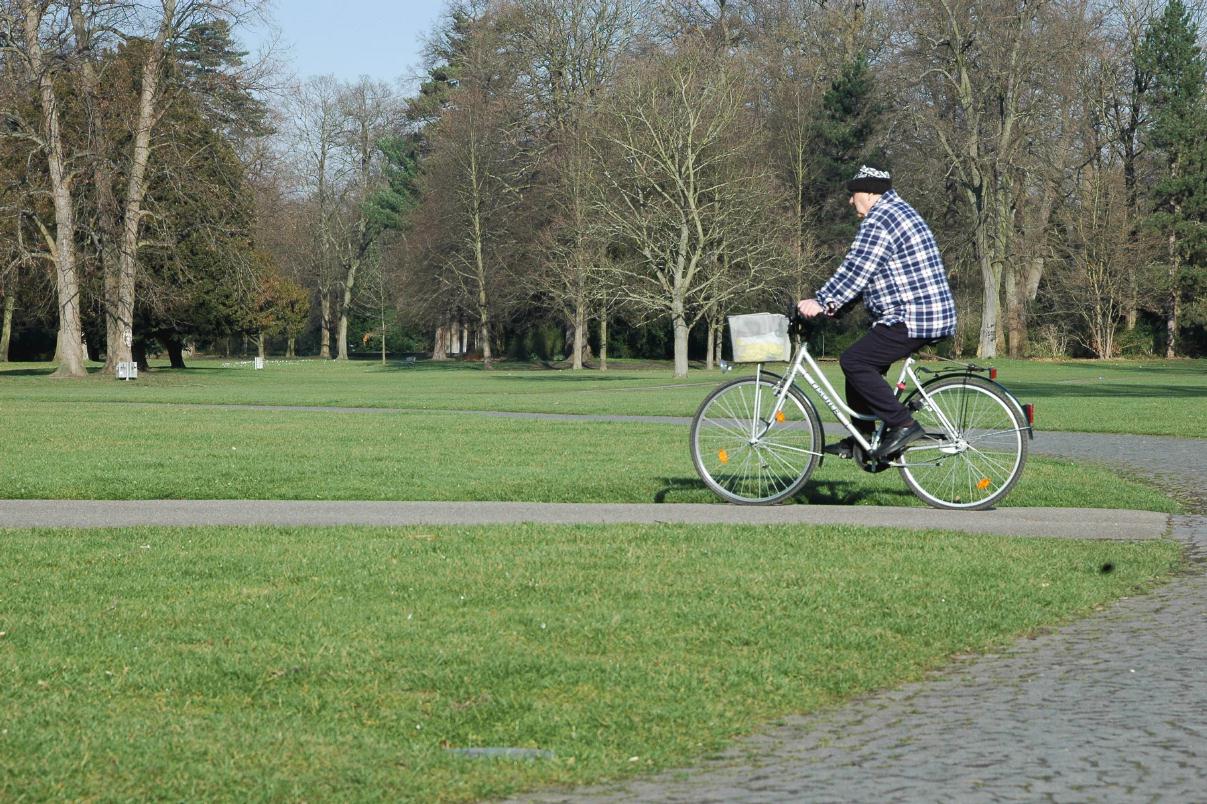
<point x="724" y="456"/>
<point x="984" y="484"/>
<point x="779" y="416"/>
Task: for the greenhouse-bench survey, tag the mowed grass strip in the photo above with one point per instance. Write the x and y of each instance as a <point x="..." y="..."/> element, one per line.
<point x="96" y="451"/>
<point x="1157" y="397"/>
<point x="343" y="664"/>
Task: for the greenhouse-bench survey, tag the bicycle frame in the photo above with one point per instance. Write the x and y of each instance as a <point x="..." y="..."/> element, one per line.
<point x="806" y="366"/>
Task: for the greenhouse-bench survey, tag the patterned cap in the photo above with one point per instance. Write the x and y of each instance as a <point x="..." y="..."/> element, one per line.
<point x="870" y="180"/>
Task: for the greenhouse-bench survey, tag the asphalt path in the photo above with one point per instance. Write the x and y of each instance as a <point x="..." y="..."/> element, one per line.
<point x="1053" y="522"/>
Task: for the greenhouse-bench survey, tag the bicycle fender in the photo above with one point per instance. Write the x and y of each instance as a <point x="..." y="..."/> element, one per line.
<point x="1005" y="392"/>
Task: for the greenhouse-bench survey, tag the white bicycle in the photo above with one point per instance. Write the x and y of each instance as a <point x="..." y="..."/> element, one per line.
<point x="756" y="440"/>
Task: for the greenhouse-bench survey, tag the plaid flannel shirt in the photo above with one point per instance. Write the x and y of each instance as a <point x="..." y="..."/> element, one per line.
<point x="895" y="262"/>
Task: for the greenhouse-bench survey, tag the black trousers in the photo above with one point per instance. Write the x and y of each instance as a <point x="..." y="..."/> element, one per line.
<point x="866" y="362"/>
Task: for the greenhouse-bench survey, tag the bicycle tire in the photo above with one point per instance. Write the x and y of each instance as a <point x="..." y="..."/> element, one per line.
<point x="976" y="466"/>
<point x="740" y="456"/>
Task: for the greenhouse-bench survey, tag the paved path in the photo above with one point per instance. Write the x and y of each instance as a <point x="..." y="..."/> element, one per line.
<point x="1054" y="522"/>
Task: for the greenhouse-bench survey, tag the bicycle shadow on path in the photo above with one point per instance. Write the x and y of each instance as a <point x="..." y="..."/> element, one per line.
<point x="815" y="492"/>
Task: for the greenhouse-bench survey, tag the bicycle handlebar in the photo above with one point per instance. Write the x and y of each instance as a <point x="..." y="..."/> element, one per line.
<point x="798" y="322"/>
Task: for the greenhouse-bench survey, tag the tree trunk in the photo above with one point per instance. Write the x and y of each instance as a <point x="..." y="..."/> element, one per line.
<point x="136" y="190"/>
<point x="1171" y="319"/>
<point x="383" y="333"/>
<point x="580" y="331"/>
<point x="69" y="348"/>
<point x="6" y="326"/>
<point x="710" y="353"/>
<point x="175" y="349"/>
<point x="291" y="348"/>
<point x="681" y="332"/>
<point x="138" y="353"/>
<point x="440" y="345"/>
<point x="1128" y="138"/>
<point x="325" y="334"/>
<point x="991" y="279"/>
<point x="719" y="339"/>
<point x="603" y="342"/>
<point x="1015" y="311"/>
<point x="260" y="351"/>
<point x="342" y="335"/>
<point x="484" y="333"/>
<point x="480" y="277"/>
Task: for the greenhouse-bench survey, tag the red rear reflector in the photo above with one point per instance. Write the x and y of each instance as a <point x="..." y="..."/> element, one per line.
<point x="993" y="374"/>
<point x="1029" y="409"/>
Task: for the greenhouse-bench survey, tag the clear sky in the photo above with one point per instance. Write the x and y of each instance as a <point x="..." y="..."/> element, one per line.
<point x="350" y="38"/>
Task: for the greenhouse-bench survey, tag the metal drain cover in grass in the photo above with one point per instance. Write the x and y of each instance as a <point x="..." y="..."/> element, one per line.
<point x="502" y="753"/>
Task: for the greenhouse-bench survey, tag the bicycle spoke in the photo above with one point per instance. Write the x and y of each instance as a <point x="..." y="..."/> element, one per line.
<point x="782" y="455"/>
<point x="982" y="458"/>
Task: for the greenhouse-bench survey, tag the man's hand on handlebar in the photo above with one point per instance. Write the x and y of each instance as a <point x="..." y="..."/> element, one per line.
<point x="809" y="308"/>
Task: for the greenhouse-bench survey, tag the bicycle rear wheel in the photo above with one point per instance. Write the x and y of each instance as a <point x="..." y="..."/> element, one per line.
<point x="975" y="448"/>
<point x="748" y="453"/>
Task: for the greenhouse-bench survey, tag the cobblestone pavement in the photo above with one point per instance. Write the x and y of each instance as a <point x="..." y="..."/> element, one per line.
<point x="1110" y="708"/>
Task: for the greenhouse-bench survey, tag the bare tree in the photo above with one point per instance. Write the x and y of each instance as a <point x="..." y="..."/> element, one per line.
<point x="476" y="173"/>
<point x="316" y="128"/>
<point x="368" y="108"/>
<point x="977" y="60"/>
<point x="1097" y="252"/>
<point x="10" y="264"/>
<point x="33" y="31"/>
<point x="1067" y="108"/>
<point x="673" y="154"/>
<point x="573" y="49"/>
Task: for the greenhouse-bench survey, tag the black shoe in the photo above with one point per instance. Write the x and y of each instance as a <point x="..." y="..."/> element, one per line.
<point x="895" y="439"/>
<point x="843" y="449"/>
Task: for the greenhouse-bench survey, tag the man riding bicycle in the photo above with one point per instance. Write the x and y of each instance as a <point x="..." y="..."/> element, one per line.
<point x="895" y="263"/>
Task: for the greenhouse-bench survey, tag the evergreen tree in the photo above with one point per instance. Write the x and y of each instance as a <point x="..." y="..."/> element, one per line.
<point x="209" y="64"/>
<point x="843" y="139"/>
<point x="1178" y="137"/>
<point x="387" y="207"/>
<point x="446" y="54"/>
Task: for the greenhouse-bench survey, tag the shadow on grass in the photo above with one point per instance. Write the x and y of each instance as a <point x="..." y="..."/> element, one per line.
<point x="27" y="372"/>
<point x="1093" y="388"/>
<point x="98" y="371"/>
<point x="568" y="377"/>
<point x="1189" y="368"/>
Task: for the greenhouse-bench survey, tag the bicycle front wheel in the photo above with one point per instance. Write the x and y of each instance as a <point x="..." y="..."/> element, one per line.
<point x="975" y="445"/>
<point x="748" y="452"/>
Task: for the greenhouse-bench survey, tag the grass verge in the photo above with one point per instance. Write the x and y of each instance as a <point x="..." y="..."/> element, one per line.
<point x="344" y="663"/>
<point x="85" y="451"/>
<point x="1159" y="397"/>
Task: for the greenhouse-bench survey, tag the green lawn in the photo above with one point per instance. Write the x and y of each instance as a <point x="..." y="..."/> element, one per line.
<point x="57" y="450"/>
<point x="1154" y="397"/>
<point x="344" y="664"/>
<point x="332" y="664"/>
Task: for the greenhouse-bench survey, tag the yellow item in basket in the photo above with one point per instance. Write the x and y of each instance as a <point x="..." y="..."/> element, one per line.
<point x="758" y="349"/>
